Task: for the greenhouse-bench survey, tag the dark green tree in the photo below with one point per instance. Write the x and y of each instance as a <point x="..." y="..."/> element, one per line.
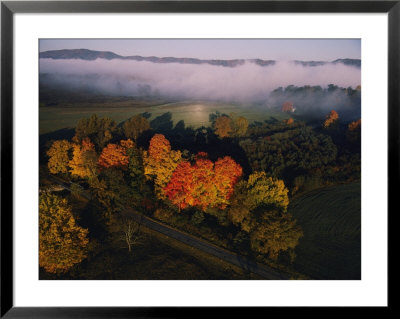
<point x="135" y="126"/>
<point x="99" y="130"/>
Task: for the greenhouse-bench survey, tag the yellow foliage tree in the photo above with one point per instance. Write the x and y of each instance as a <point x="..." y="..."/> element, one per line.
<point x="266" y="190"/>
<point x="59" y="157"/>
<point x="273" y="233"/>
<point x="160" y="162"/>
<point x="240" y="126"/>
<point x="84" y="161"/>
<point x="259" y="207"/>
<point x="62" y="243"/>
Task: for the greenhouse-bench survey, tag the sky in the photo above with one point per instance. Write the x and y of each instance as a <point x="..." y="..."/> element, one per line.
<point x="268" y="49"/>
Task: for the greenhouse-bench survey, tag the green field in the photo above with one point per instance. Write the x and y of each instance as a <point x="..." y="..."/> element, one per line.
<point x="331" y="221"/>
<point x="194" y="114"/>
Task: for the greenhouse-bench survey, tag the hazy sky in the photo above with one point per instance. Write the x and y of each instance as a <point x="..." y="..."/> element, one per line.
<point x="274" y="49"/>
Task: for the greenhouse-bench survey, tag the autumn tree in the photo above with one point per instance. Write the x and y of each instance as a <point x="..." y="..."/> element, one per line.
<point x="99" y="130"/>
<point x="212" y="117"/>
<point x="227" y="173"/>
<point x="114" y="155"/>
<point x="62" y="243"/>
<point x="289" y="121"/>
<point x="204" y="184"/>
<point x="223" y="126"/>
<point x="258" y="191"/>
<point x="269" y="191"/>
<point x="135" y="126"/>
<point x="354" y="131"/>
<point x="354" y="125"/>
<point x="160" y="162"/>
<point x="287" y="107"/>
<point x="204" y="190"/>
<point x="240" y="125"/>
<point x="84" y="160"/>
<point x="59" y="156"/>
<point x="181" y="186"/>
<point x="331" y="119"/>
<point x="275" y="232"/>
<point x="258" y="206"/>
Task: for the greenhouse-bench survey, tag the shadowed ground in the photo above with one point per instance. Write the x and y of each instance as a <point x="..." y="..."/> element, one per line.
<point x="331" y="221"/>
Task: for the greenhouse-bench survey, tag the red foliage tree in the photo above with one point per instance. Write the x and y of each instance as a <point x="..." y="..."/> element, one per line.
<point x="180" y="188"/>
<point x="203" y="184"/>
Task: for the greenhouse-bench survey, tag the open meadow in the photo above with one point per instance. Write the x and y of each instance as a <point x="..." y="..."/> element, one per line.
<point x="194" y="113"/>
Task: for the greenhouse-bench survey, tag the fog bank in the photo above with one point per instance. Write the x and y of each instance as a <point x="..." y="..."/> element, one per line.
<point x="246" y="83"/>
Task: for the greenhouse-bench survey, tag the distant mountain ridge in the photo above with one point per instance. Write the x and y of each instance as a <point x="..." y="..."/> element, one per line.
<point x="90" y="55"/>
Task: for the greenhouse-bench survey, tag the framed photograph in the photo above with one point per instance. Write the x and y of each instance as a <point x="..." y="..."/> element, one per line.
<point x="159" y="156"/>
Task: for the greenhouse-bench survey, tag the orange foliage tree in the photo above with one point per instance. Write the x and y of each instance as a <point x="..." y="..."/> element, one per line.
<point x="223" y="126"/>
<point x="159" y="163"/>
<point x="62" y="243"/>
<point x="227" y="173"/>
<point x="354" y="131"/>
<point x="114" y="155"/>
<point x="354" y="125"/>
<point x="331" y="119"/>
<point x="289" y="121"/>
<point x="204" y="184"/>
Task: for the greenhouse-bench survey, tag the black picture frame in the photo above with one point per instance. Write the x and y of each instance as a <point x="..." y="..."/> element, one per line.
<point x="9" y="8"/>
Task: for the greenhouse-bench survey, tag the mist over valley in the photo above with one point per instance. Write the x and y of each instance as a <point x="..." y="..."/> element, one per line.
<point x="312" y="86"/>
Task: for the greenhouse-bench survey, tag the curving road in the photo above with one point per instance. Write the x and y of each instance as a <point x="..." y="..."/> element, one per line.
<point x="226" y="255"/>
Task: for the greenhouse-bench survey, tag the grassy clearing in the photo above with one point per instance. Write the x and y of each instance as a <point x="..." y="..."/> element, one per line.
<point x="331" y="221"/>
<point x="194" y="114"/>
